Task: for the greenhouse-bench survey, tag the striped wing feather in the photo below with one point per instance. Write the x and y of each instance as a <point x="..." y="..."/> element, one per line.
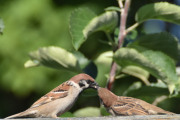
<point x="58" y="92"/>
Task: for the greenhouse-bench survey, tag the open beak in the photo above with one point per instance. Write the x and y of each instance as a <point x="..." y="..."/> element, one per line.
<point x="94" y="85"/>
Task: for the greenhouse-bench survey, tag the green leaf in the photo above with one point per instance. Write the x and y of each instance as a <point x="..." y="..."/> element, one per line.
<point x="137" y="72"/>
<point x="67" y="114"/>
<point x="104" y="111"/>
<point x="78" y="20"/>
<point x="89" y="93"/>
<point x="83" y="23"/>
<point x="54" y="57"/>
<point x="87" y="112"/>
<point x="132" y="35"/>
<point x="134" y="86"/>
<point x="159" y="84"/>
<point x="82" y="60"/>
<point x="162" y="11"/>
<point x="163" y="42"/>
<point x="31" y="63"/>
<point x="113" y="8"/>
<point x="116" y="33"/>
<point x="147" y="93"/>
<point x="158" y="64"/>
<point x="1" y="26"/>
<point x="105" y="22"/>
<point x="103" y="63"/>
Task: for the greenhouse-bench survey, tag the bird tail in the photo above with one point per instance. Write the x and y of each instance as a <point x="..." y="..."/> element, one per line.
<point x="25" y="114"/>
<point x="166" y="113"/>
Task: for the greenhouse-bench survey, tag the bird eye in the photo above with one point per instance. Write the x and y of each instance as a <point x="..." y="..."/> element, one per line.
<point x="81" y="84"/>
<point x="89" y="81"/>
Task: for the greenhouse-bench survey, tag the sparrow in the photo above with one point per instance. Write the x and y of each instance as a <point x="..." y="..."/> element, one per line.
<point x="59" y="100"/>
<point x="126" y="106"/>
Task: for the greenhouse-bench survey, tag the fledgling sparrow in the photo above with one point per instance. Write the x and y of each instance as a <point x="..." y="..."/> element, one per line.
<point x="59" y="100"/>
<point x="126" y="106"/>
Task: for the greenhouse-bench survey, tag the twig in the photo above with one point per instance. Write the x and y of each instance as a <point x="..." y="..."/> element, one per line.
<point x="120" y="4"/>
<point x="131" y="28"/>
<point x="122" y="34"/>
<point x="159" y="99"/>
<point x="111" y="40"/>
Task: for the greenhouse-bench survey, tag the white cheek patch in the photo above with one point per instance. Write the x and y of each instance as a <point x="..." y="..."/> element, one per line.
<point x="75" y="85"/>
<point x="87" y="85"/>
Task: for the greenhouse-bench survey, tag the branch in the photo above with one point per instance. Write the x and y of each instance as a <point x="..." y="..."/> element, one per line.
<point x="131" y="28"/>
<point x="120" y="4"/>
<point x="112" y="75"/>
<point x="121" y="36"/>
<point x="122" y="32"/>
<point x="159" y="99"/>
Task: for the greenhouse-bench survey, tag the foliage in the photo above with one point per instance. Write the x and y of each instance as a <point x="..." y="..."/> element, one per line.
<point x="53" y="57"/>
<point x="1" y="26"/>
<point x="146" y="67"/>
<point x="88" y="111"/>
<point x="162" y="11"/>
<point x="82" y="27"/>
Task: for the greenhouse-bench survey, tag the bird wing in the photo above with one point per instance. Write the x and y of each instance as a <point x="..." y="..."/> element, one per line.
<point x="152" y="109"/>
<point x="127" y="106"/>
<point x="59" y="92"/>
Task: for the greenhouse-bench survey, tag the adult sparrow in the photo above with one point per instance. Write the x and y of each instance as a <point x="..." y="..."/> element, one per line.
<point x="126" y="106"/>
<point x="59" y="100"/>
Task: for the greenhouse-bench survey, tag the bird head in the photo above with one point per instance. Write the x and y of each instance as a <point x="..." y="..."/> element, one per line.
<point x="84" y="81"/>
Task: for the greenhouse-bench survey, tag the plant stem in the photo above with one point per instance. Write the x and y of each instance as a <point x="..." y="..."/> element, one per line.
<point x="112" y="75"/>
<point x="120" y="4"/>
<point x="122" y="32"/>
<point x="159" y="99"/>
<point x="121" y="36"/>
<point x="131" y="28"/>
<point x="111" y="41"/>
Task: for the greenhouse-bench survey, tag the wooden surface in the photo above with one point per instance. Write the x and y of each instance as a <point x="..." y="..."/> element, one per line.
<point x="137" y="117"/>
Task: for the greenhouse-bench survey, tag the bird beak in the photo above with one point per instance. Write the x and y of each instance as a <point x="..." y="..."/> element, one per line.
<point x="94" y="85"/>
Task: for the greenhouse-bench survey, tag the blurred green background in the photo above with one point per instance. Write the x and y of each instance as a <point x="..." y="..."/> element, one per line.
<point x="30" y="24"/>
